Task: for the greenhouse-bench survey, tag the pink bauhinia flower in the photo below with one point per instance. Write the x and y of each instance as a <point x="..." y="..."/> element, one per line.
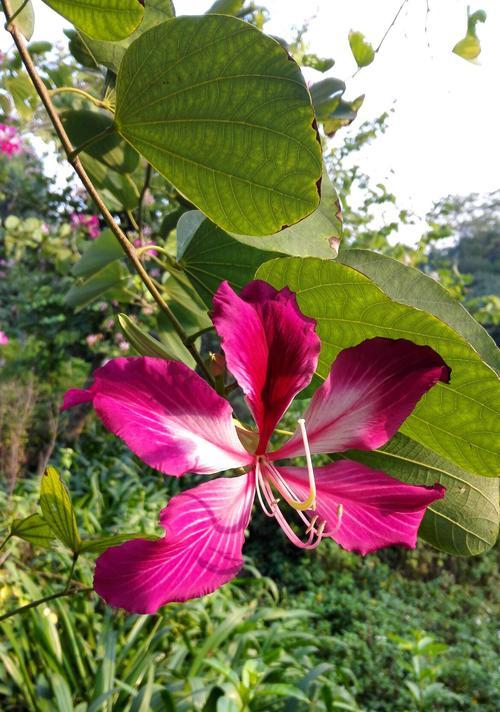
<point x="175" y="422"/>
<point x="10" y="141"/>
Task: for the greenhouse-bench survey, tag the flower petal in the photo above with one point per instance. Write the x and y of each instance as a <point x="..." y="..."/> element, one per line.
<point x="376" y="510"/>
<point x="166" y="414"/>
<point x="201" y="550"/>
<point x="371" y="390"/>
<point x="270" y="346"/>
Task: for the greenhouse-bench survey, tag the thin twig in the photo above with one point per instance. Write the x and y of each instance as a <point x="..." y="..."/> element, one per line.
<point x="126" y="245"/>
<point x="45" y="599"/>
<point x="4" y="542"/>
<point x="391" y="26"/>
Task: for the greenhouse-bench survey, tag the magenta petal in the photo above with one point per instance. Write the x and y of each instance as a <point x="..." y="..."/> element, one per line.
<point x="166" y="414"/>
<point x="371" y="390"/>
<point x="201" y="550"/>
<point x="271" y="348"/>
<point x="365" y="509"/>
<point x="76" y="396"/>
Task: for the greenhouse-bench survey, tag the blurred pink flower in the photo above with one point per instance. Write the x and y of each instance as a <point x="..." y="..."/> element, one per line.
<point x="88" y="222"/>
<point x="93" y="339"/>
<point x="137" y="243"/>
<point x="10" y="141"/>
<point x="4" y="339"/>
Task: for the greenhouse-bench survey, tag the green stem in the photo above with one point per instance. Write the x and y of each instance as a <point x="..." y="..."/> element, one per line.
<point x="90" y="141"/>
<point x="39" y="601"/>
<point x="158" y="248"/>
<point x="199" y="333"/>
<point x="73" y="159"/>
<point x="71" y="572"/>
<point x="5" y="541"/>
<point x="74" y="90"/>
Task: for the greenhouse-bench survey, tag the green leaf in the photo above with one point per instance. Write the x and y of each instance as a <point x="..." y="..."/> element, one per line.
<point x="469" y="47"/>
<point x="226" y="7"/>
<point x="23" y="94"/>
<point x="325" y="96"/>
<point x="25" y="21"/>
<point x="118" y="190"/>
<point x="33" y="529"/>
<point x="111" y="276"/>
<point x="83" y="125"/>
<point x="101" y="543"/>
<point x="57" y="509"/>
<point x="101" y="19"/>
<point x="143" y="343"/>
<point x="321" y="64"/>
<point x="79" y="50"/>
<point x="110" y="54"/>
<point x="343" y="115"/>
<point x="205" y="115"/>
<point x="361" y="50"/>
<point x="466" y="521"/>
<point x="411" y="286"/>
<point x="99" y="253"/>
<point x="5" y="105"/>
<point x="211" y="256"/>
<point x="318" y="235"/>
<point x="458" y="420"/>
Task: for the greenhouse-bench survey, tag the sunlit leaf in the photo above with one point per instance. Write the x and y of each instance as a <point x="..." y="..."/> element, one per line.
<point x="23" y="94"/>
<point x="101" y="19"/>
<point x="25" y="21"/>
<point x="460" y="420"/>
<point x="470" y="47"/>
<point x="465" y="522"/>
<point x="57" y="508"/>
<point x="411" y="286"/>
<point x="325" y="96"/>
<point x="318" y="235"/>
<point x="224" y="114"/>
<point x="33" y="529"/>
<point x="344" y="114"/>
<point x="110" y="54"/>
<point x="362" y="51"/>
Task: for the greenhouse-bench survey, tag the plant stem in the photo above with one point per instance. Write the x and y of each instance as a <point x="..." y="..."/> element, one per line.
<point x="74" y="90"/>
<point x="199" y="333"/>
<point x="71" y="572"/>
<point x="73" y="159"/>
<point x="390" y="26"/>
<point x="5" y="541"/>
<point x="45" y="599"/>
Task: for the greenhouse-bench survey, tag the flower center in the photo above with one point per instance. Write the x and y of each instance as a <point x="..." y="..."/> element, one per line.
<point x="267" y="474"/>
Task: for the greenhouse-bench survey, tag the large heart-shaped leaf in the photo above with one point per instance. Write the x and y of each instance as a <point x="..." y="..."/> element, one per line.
<point x="411" y="286"/>
<point x="101" y="19"/>
<point x="211" y="256"/>
<point x="110" y="54"/>
<point x="459" y="421"/>
<point x="84" y="125"/>
<point x="466" y="521"/>
<point x="318" y="235"/>
<point x="223" y="113"/>
<point x="57" y="509"/>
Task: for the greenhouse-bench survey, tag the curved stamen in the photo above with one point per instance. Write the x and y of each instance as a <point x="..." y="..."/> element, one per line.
<point x="311" y="530"/>
<point x="259" y="481"/>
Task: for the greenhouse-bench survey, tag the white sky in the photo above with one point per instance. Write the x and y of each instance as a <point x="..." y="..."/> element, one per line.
<point x="444" y="134"/>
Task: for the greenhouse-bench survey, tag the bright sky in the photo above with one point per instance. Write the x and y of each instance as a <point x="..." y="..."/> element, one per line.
<point x="444" y="133"/>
